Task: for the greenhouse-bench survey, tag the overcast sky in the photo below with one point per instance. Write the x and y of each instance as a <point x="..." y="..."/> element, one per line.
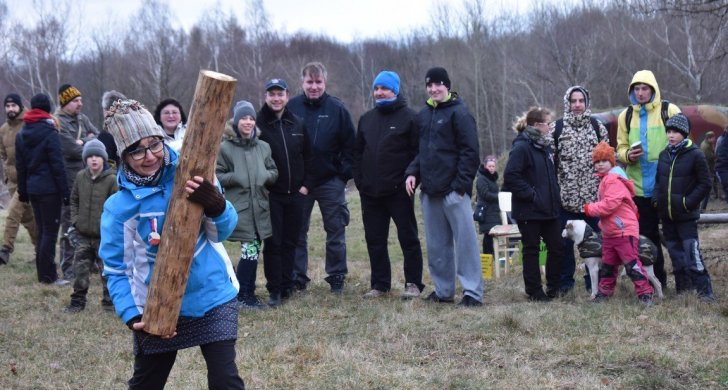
<point x="344" y="20"/>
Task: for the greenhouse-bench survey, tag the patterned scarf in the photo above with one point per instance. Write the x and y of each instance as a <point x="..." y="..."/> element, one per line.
<point x="673" y="150"/>
<point x="536" y="137"/>
<point x="144" y="181"/>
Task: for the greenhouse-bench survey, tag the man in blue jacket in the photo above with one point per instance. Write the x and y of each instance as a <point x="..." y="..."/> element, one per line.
<point x="331" y="131"/>
<point x="446" y="166"/>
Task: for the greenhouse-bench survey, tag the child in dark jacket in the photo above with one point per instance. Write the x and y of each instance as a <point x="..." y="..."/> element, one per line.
<point x="91" y="188"/>
<point x="682" y="182"/>
<point x="618" y="220"/>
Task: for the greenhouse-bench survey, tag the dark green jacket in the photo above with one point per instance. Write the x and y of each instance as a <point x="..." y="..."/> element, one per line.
<point x="244" y="169"/>
<point x="87" y="200"/>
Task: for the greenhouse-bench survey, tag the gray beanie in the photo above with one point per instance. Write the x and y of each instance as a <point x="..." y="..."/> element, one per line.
<point x="680" y="123"/>
<point x="242" y="108"/>
<point x="94" y="147"/>
<point x="128" y="121"/>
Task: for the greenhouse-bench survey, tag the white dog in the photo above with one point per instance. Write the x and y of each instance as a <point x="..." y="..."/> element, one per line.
<point x="589" y="244"/>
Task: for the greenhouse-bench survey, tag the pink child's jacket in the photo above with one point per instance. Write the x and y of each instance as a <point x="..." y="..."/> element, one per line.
<point x="618" y="216"/>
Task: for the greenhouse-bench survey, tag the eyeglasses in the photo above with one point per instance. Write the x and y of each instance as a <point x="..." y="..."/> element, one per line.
<point x="140" y="153"/>
<point x="170" y="113"/>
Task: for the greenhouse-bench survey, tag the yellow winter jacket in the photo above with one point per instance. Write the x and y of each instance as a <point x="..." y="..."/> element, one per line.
<point x="646" y="126"/>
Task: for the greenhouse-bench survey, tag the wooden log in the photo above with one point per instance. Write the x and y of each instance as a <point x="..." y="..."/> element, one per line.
<point x="210" y="106"/>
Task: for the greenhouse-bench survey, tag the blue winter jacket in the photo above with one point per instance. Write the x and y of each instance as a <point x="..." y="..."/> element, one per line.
<point x="129" y="258"/>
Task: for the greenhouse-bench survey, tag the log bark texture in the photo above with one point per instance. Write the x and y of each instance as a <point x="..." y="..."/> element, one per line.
<point x="210" y="106"/>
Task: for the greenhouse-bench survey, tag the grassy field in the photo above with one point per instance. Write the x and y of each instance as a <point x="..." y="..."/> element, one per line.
<point x="321" y="341"/>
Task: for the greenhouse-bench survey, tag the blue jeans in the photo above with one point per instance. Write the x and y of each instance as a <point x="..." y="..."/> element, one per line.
<point x="568" y="262"/>
<point x="335" y="213"/>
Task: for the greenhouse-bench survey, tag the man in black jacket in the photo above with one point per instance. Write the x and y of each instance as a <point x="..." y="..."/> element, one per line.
<point x="386" y="143"/>
<point x="291" y="151"/>
<point x="445" y="166"/>
<point x="331" y="131"/>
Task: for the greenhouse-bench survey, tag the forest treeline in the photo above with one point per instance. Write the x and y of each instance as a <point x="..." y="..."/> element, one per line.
<point x="499" y="64"/>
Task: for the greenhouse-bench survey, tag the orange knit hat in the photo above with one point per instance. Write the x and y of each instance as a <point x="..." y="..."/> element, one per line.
<point x="603" y="152"/>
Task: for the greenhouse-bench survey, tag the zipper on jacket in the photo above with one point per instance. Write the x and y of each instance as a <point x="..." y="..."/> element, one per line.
<point x="669" y="188"/>
<point x="285" y="148"/>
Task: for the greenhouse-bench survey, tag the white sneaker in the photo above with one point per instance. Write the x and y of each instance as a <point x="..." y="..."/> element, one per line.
<point x="61" y="282"/>
<point x="410" y="291"/>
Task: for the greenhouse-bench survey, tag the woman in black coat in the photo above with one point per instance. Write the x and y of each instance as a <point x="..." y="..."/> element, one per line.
<point x="487" y="187"/>
<point x="42" y="181"/>
<point x="530" y="175"/>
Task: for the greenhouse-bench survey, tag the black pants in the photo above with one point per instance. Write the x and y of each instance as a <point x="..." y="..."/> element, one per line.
<point x="650" y="228"/>
<point x="487" y="238"/>
<point x="151" y="371"/>
<point x="531" y="234"/>
<point x="376" y="215"/>
<point x="286" y="217"/>
<point x="47" y="212"/>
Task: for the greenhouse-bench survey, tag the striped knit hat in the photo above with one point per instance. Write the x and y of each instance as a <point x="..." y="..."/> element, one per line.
<point x="66" y="93"/>
<point x="128" y="121"/>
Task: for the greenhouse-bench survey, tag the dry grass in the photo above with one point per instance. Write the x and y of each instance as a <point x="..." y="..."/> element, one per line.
<point x="320" y="341"/>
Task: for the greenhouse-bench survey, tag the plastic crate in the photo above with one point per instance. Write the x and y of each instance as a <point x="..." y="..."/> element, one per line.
<point x="486" y="264"/>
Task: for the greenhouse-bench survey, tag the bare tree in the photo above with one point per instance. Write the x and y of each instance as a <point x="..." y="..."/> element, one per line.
<point x="40" y="55"/>
<point x="689" y="43"/>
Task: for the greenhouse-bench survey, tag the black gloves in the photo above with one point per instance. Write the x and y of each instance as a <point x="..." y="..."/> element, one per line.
<point x="133" y="321"/>
<point x="210" y="198"/>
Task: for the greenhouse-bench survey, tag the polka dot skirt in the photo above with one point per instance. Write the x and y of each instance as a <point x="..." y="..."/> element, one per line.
<point x="220" y="323"/>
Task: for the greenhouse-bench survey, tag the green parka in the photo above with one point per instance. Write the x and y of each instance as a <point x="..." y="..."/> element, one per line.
<point x="244" y="168"/>
<point x="87" y="200"/>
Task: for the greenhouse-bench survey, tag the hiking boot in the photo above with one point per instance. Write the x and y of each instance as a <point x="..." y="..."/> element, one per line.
<point x="600" y="297"/>
<point x="61" y="282"/>
<point x="411" y="291"/>
<point x="250" y="302"/>
<point x="274" y="300"/>
<point x="374" y="293"/>
<point x="286" y="293"/>
<point x="646" y="299"/>
<point x="708" y="298"/>
<point x="4" y="255"/>
<point x="469" y="301"/>
<point x="556" y="293"/>
<point x="107" y="306"/>
<point x="539" y="296"/>
<point x="299" y="286"/>
<point x="434" y="298"/>
<point x="73" y="308"/>
<point x="336" y="282"/>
